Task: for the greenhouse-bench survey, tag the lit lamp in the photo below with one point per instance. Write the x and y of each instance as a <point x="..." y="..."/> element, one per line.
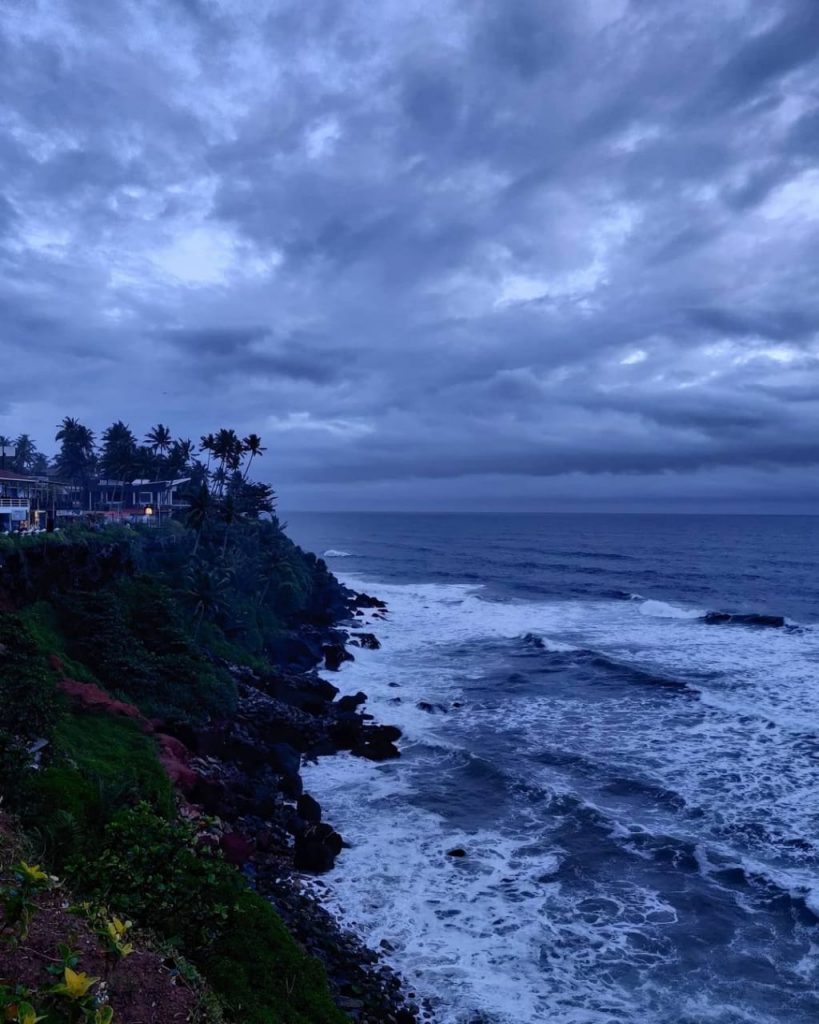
<point x="149" y="511"/>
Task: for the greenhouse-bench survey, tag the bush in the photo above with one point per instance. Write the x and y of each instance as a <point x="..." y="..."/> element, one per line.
<point x="29" y="706"/>
<point x="99" y="765"/>
<point x="131" y="637"/>
<point x="261" y="974"/>
<point x="155" y="872"/>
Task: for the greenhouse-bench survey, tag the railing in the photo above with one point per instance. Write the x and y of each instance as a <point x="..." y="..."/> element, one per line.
<point x="14" y="503"/>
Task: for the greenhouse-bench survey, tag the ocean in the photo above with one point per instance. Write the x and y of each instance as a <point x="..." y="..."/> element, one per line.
<point x="635" y="786"/>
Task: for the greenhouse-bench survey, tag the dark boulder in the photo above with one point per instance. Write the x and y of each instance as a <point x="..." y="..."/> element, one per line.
<point x="308" y="809"/>
<point x="369" y="641"/>
<point x="366" y="601"/>
<point x="283" y="759"/>
<point x="377" y="743"/>
<point x="457" y="851"/>
<point x="316" y="849"/>
<point x="350" y="703"/>
<point x="335" y="655"/>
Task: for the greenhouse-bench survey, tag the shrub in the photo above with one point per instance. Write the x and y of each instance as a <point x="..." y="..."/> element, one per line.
<point x="261" y="974"/>
<point x="29" y="707"/>
<point x="131" y="637"/>
<point x="154" y="871"/>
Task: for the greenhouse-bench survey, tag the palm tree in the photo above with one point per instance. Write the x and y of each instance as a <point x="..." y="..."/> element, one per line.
<point x="159" y="439"/>
<point x="25" y="454"/>
<point x="205" y="592"/>
<point x="119" y="457"/>
<point x="227" y="447"/>
<point x="252" y="445"/>
<point x="179" y="457"/>
<point x="76" y="459"/>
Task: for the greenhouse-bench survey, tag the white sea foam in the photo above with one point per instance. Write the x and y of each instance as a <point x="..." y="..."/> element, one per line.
<point x="332" y="553"/>
<point x="499" y="932"/>
<point x="663" y="610"/>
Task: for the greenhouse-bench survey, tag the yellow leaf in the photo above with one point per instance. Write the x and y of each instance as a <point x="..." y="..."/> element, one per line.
<point x="32" y="872"/>
<point x="26" y="1014"/>
<point x="77" y="983"/>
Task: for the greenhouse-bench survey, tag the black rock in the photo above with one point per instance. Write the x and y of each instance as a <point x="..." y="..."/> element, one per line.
<point x="335" y="655"/>
<point x="457" y="851"/>
<point x="350" y="703"/>
<point x="377" y="743"/>
<point x="366" y="601"/>
<point x="369" y="641"/>
<point x="316" y="848"/>
<point x="309" y="809"/>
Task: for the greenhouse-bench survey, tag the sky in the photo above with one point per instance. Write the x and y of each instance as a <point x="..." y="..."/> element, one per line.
<point x="487" y="254"/>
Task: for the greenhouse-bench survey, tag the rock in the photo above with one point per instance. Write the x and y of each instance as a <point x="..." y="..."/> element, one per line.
<point x="316" y="849"/>
<point x="294" y="651"/>
<point x="283" y="759"/>
<point x="346" y="704"/>
<point x="369" y="641"/>
<point x="366" y="601"/>
<point x="457" y="851"/>
<point x="377" y="743"/>
<point x="335" y="655"/>
<point x="237" y="849"/>
<point x="432" y="709"/>
<point x="210" y="793"/>
<point x="308" y="808"/>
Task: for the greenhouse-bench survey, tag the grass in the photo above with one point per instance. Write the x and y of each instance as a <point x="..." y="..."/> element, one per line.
<point x="262" y="976"/>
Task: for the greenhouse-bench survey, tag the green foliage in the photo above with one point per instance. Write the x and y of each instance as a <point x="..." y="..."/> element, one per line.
<point x="131" y="636"/>
<point x="17" y="891"/>
<point x="28" y="701"/>
<point x="100" y="765"/>
<point x="155" y="872"/>
<point x="262" y="975"/>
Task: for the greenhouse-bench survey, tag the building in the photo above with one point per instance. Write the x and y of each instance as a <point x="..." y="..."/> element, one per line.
<point x="137" y="499"/>
<point x="24" y="501"/>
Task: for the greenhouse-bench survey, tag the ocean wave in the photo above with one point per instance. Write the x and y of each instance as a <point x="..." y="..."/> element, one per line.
<point x="333" y="553"/>
<point x="543" y="643"/>
<point x="664" y="610"/>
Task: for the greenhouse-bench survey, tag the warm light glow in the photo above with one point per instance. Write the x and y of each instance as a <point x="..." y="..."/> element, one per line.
<point x="149" y="510"/>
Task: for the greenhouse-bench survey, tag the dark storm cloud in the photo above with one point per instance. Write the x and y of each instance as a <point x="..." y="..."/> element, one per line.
<point x="446" y="242"/>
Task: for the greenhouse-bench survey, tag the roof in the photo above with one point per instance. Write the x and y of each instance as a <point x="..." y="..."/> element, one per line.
<point x="9" y="474"/>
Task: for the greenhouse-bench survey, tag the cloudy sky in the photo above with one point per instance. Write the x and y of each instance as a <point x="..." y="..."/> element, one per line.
<point x="438" y="253"/>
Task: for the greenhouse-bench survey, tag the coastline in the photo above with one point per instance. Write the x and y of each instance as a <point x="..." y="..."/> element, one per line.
<point x="278" y="836"/>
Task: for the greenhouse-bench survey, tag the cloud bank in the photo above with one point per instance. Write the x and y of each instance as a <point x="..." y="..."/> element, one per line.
<point x="437" y="253"/>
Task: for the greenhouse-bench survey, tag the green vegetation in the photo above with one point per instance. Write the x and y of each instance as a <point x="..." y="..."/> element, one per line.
<point x="146" y="615"/>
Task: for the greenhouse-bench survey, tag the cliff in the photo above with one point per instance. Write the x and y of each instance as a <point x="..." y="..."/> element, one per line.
<point x="158" y="692"/>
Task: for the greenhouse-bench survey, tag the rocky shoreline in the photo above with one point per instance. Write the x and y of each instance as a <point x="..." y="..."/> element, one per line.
<point x="240" y="779"/>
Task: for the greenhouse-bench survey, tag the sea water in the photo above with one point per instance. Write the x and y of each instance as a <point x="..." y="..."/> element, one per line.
<point x="636" y="789"/>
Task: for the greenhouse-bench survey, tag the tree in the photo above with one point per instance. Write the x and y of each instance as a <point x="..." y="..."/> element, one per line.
<point x="205" y="592"/>
<point x="25" y="454"/>
<point x="180" y="457"/>
<point x="119" y="457"/>
<point x="228" y="449"/>
<point x="252" y="445"/>
<point x="76" y="460"/>
<point x="159" y="439"/>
